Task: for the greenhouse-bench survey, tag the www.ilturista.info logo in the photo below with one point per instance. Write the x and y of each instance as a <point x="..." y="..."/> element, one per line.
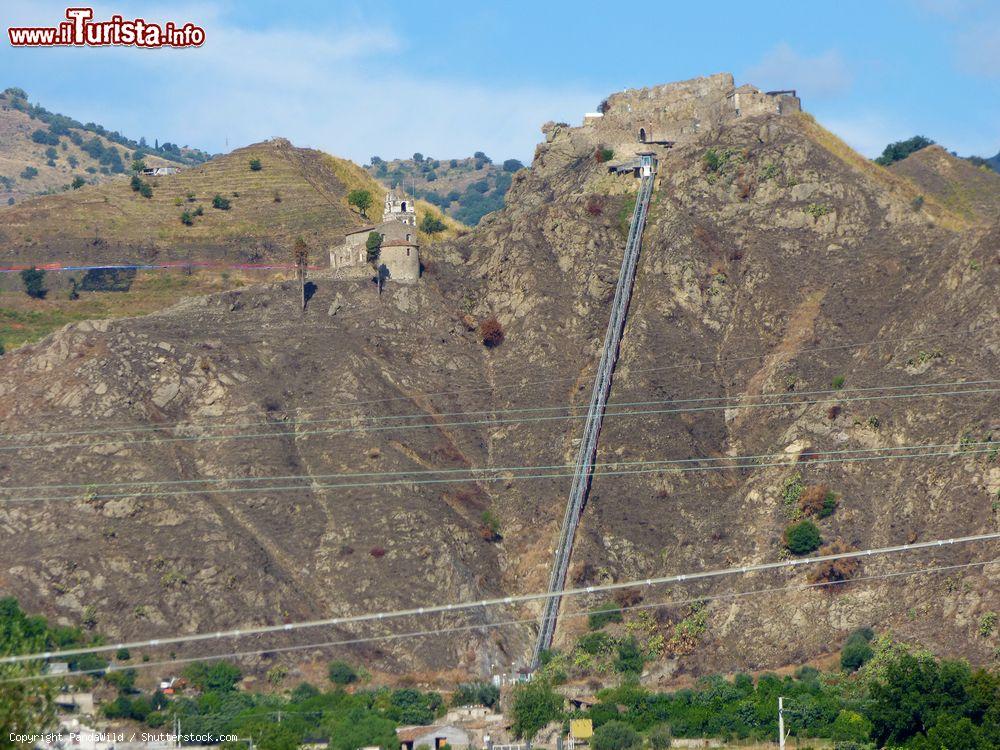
<point x="80" y="30"/>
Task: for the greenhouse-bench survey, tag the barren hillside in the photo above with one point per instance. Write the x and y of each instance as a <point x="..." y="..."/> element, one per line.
<point x="772" y="256"/>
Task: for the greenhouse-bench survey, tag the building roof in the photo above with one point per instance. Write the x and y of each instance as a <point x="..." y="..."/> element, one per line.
<point x="410" y="734"/>
<point x="401" y="243"/>
<point x="362" y="229"/>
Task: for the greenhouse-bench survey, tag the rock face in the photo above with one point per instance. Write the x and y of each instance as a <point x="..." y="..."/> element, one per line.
<point x="772" y="255"/>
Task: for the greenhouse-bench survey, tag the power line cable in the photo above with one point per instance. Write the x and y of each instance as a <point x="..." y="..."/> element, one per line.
<point x="472" y="423"/>
<point x="502" y="623"/>
<point x="499" y="601"/>
<point x="660" y="466"/>
<point x="147" y="427"/>
<point x="716" y="363"/>
<point x="474" y="473"/>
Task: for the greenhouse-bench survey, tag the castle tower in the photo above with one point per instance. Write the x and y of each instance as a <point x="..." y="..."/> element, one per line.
<point x="399" y="208"/>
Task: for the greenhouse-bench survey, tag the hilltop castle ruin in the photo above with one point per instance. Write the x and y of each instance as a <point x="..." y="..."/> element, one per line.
<point x="399" y="254"/>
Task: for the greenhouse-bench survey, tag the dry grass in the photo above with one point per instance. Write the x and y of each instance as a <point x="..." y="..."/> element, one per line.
<point x="903" y="189"/>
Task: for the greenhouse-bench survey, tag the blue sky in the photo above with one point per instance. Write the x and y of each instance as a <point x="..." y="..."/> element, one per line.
<point x="450" y="78"/>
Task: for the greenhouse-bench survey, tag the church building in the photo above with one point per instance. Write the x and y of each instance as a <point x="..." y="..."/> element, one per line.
<point x="400" y="250"/>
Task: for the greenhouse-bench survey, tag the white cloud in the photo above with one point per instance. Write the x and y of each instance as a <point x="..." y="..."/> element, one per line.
<point x="821" y="75"/>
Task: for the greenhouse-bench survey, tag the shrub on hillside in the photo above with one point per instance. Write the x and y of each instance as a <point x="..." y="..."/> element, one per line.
<point x="255" y="165"/>
<point x="533" y="705"/>
<point x="603" y="154"/>
<point x="818" y="500"/>
<point x="490" y="528"/>
<point x="186" y="218"/>
<point x="857" y="650"/>
<point x="377" y="552"/>
<point x="660" y="737"/>
<point x="802" y="538"/>
<point x="29" y="173"/>
<point x="491" y="333"/>
<point x="595" y="205"/>
<point x="216" y="677"/>
<point x="34" y="282"/>
<point x="476" y="693"/>
<point x="220" y="203"/>
<point x="831" y="571"/>
<point x="431" y="224"/>
<point x="78" y="182"/>
<point x="604" y="615"/>
<point x="630" y="659"/>
<point x="341" y="673"/>
<point x="615" y="735"/>
<point x="146" y="190"/>
<point x="45" y="138"/>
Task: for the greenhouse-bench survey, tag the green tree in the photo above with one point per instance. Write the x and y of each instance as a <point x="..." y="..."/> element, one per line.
<point x="29" y="173"/>
<point x="802" y="538"/>
<point x="360" y="199"/>
<point x="34" y="282"/>
<point x="431" y="224"/>
<point x="850" y="726"/>
<point x="615" y="735"/>
<point x="138" y="165"/>
<point x="660" y="737"/>
<point x="360" y="728"/>
<point x="25" y="707"/>
<point x="512" y="165"/>
<point x="373" y="246"/>
<point x="604" y="615"/>
<point x="533" y="705"/>
<point x="630" y="659"/>
<point x="341" y="673"/>
<point x="78" y="182"/>
<point x="255" y="165"/>
<point x="216" y="677"/>
<point x="220" y="203"/>
<point x="901" y="149"/>
<point x="476" y="693"/>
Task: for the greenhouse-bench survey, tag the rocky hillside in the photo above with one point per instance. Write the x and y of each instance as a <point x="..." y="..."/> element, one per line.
<point x="465" y="189"/>
<point x="232" y="460"/>
<point x="973" y="192"/>
<point x="44" y="152"/>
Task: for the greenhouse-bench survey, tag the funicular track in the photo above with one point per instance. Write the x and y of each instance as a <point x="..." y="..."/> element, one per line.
<point x="595" y="415"/>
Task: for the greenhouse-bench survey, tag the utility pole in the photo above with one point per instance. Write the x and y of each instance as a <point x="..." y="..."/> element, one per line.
<point x="781" y="723"/>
